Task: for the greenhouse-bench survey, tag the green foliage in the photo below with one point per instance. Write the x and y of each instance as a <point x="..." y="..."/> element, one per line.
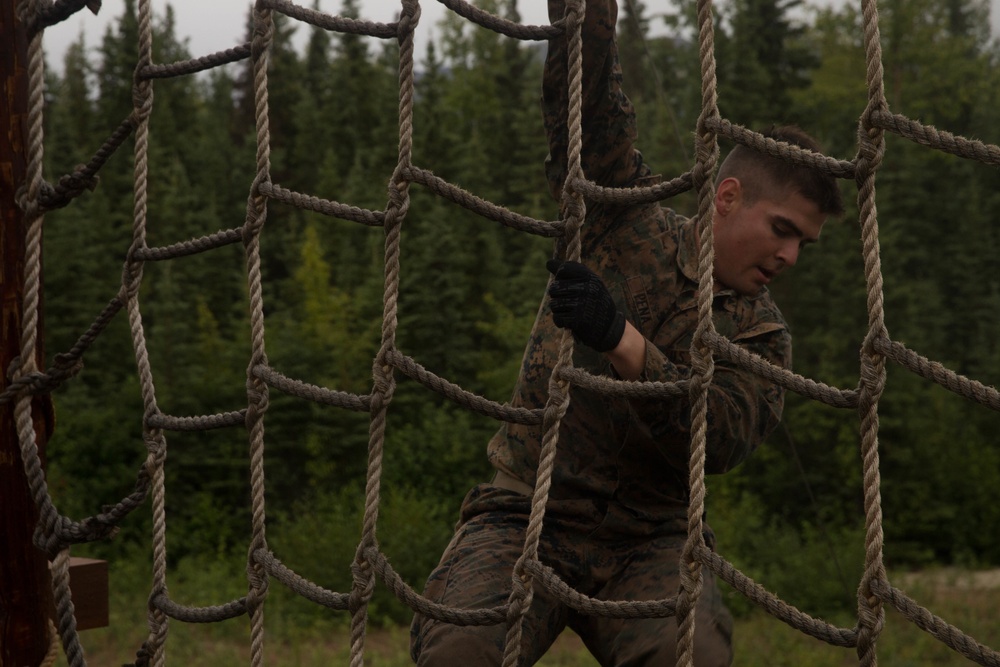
<point x="319" y="539"/>
<point x="763" y="60"/>
<point x="813" y="567"/>
<point x="469" y="288"/>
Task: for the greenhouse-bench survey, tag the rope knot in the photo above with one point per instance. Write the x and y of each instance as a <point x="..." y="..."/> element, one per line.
<point x="47" y="538"/>
<point x="364" y="584"/>
<point x="399" y="197"/>
<point x="383" y="380"/>
<point x="73" y="184"/>
<point x="409" y="18"/>
<point x="575" y="10"/>
<point x="131" y="276"/>
<point x="871" y="138"/>
<point x="142" y="100"/>
<point x="30" y="12"/>
<point x="23" y="199"/>
<point x="573" y="209"/>
<point x="258" y="398"/>
<point x="156" y="450"/>
<point x="263" y="31"/>
<point x="257" y="578"/>
<point x="14" y="370"/>
<point x="256" y="209"/>
<point x="522" y="592"/>
<point x="702" y="359"/>
<point x="873" y="374"/>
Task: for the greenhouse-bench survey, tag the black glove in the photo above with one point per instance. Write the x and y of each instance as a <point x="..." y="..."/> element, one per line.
<point x="581" y="303"/>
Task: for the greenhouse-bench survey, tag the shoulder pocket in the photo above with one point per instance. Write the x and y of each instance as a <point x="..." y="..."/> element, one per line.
<point x="758" y="330"/>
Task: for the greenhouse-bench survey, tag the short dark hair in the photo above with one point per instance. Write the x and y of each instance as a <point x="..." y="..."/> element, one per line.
<point x="763" y="175"/>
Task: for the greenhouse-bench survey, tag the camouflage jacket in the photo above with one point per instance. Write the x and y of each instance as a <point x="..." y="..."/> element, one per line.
<point x="630" y="456"/>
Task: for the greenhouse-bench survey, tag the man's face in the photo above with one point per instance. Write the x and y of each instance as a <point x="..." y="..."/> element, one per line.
<point x="755" y="242"/>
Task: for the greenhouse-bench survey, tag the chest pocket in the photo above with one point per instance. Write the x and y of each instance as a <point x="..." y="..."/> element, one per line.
<point x="676" y="330"/>
<point x="759" y="330"/>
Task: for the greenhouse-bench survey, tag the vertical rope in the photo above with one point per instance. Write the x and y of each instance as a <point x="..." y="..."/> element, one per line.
<point x="702" y="362"/>
<point x="382" y="371"/>
<point x="65" y="611"/>
<point x="52" y="528"/>
<point x="27" y="362"/>
<point x="48" y="518"/>
<point x="574" y="211"/>
<point x="52" y="655"/>
<point x="257" y="390"/>
<point x="142" y="107"/>
<point x="871" y="149"/>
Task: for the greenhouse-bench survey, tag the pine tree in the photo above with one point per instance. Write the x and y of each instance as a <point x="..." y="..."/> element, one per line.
<point x="762" y="62"/>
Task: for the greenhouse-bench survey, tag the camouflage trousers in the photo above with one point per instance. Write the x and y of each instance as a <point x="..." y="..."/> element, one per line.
<point x="598" y="560"/>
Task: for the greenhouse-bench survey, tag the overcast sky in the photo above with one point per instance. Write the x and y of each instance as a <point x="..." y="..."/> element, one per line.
<point x="216" y="25"/>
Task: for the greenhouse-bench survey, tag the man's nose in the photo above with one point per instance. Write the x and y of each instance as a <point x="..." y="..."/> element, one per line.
<point x="788" y="253"/>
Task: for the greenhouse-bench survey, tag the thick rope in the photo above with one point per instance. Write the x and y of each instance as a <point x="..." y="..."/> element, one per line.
<point x="55" y="533"/>
<point x="257" y="389"/>
<point x="702" y="361"/>
<point x="871" y="615"/>
<point x="574" y="211"/>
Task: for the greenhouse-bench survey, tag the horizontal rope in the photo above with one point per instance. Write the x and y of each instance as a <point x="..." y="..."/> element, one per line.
<point x="324" y="206"/>
<point x="625" y="388"/>
<point x="456" y="394"/>
<point x="479" y="205"/>
<point x="213" y="614"/>
<point x="65" y="532"/>
<point x="726" y="349"/>
<point x="84" y="178"/>
<point x="936" y="372"/>
<point x="50" y="14"/>
<point x="316" y="394"/>
<point x="928" y="135"/>
<point x="37" y="383"/>
<point x="638" y="195"/>
<point x="191" y="247"/>
<point x="780" y="149"/>
<point x="299" y="584"/>
<point x="774" y="605"/>
<point x="184" y="67"/>
<point x="197" y="423"/>
<point x="548" y="578"/>
<point x="329" y="22"/>
<point x="936" y="626"/>
<point x="62" y="531"/>
<point x="440" y="612"/>
<point x="502" y="25"/>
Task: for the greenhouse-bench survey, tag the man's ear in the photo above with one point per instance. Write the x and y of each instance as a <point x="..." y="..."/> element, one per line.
<point x="728" y="195"/>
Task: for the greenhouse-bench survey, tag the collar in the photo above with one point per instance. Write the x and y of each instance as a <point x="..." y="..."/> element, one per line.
<point x="688" y="251"/>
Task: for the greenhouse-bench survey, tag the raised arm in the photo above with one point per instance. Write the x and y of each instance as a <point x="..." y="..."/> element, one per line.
<point x="608" y="155"/>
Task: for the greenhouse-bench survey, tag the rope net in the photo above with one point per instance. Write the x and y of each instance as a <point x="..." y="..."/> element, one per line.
<point x="55" y="533"/>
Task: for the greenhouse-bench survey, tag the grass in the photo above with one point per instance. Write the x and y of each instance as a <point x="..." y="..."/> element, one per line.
<point x="296" y="635"/>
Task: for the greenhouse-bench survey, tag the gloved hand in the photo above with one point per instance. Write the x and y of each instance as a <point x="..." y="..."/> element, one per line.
<point x="581" y="303"/>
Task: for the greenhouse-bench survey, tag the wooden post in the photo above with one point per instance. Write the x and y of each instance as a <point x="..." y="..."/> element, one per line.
<point x="25" y="590"/>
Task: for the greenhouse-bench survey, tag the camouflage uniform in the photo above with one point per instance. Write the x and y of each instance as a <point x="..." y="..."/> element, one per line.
<point x="616" y="519"/>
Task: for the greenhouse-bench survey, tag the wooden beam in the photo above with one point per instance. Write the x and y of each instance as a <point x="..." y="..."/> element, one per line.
<point x="25" y="591"/>
<point x="88" y="581"/>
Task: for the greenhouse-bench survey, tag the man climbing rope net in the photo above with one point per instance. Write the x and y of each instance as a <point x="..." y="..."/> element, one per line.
<point x="616" y="517"/>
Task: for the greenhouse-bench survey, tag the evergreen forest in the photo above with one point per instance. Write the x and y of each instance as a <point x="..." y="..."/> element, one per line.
<point x="789" y="516"/>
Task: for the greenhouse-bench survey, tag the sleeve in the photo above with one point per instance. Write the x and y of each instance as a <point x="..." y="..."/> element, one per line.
<point x="608" y="155"/>
<point x="743" y="408"/>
